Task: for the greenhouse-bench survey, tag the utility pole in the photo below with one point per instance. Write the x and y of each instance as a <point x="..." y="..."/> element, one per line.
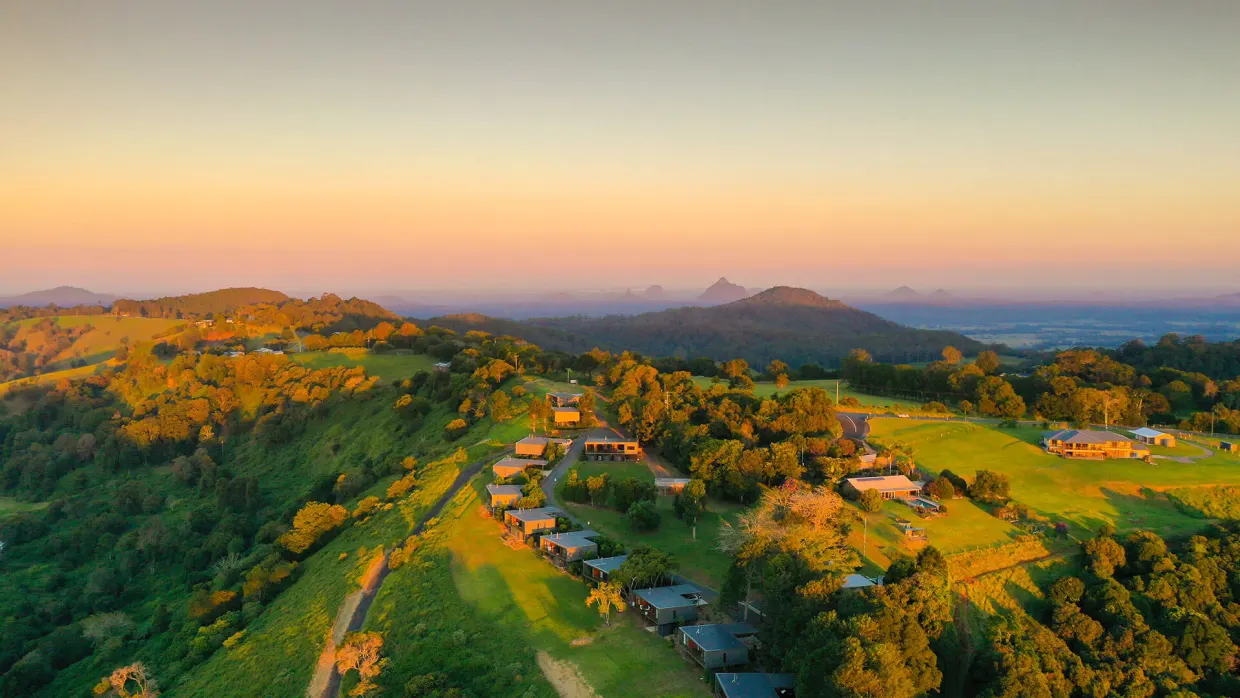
<point x="865" y="535"/>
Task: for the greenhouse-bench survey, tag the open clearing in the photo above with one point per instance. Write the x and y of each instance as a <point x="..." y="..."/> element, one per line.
<point x="869" y="403"/>
<point x="1086" y="494"/>
<point x="388" y="367"/>
<point x="10" y="506"/>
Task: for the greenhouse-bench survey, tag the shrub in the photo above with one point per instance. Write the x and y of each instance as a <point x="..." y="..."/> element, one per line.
<point x="643" y="516"/>
<point x="991" y="487"/>
<point x="936" y="407"/>
<point x="314" y="519"/>
<point x="871" y="501"/>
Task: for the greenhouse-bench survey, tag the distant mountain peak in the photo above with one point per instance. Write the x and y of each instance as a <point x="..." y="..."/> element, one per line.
<point x="62" y="296"/>
<point x="654" y="291"/>
<point x="723" y="291"/>
<point x="904" y="292"/>
<point x="789" y="295"/>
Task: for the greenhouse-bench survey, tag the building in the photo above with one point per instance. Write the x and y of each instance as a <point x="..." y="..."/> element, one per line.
<point x="606" y="444"/>
<point x="860" y="581"/>
<point x="565" y="416"/>
<point x="1153" y="437"/>
<point x="890" y="486"/>
<point x="535" y="446"/>
<point x="1086" y="443"/>
<point x="569" y="547"/>
<point x="728" y="685"/>
<point x="443" y="367"/>
<point x="671" y="485"/>
<point x="504" y="495"/>
<point x="667" y="608"/>
<point x="527" y="522"/>
<point x="509" y="466"/>
<point x="1228" y="447"/>
<point x="600" y="569"/>
<point x="717" y="646"/>
<point x="563" y="399"/>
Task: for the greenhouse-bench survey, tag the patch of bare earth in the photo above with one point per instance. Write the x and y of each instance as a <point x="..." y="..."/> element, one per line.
<point x="565" y="677"/>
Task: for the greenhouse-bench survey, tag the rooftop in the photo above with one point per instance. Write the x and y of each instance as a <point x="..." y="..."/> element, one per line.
<point x="566" y="410"/>
<point x="607" y="564"/>
<point x="513" y="462"/>
<point x="543" y="440"/>
<point x="859" y="581"/>
<point x="565" y="395"/>
<point x="671" y="481"/>
<point x="670" y="597"/>
<point x="504" y="490"/>
<point x="719" y="637"/>
<point x="1147" y="433"/>
<point x="755" y="685"/>
<point x="883" y="483"/>
<point x="572" y="539"/>
<point x="605" y="434"/>
<point x="539" y="514"/>
<point x="1087" y="436"/>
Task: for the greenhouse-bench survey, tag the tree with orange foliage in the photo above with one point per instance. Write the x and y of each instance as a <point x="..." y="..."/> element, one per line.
<point x="361" y="652"/>
<point x="128" y="682"/>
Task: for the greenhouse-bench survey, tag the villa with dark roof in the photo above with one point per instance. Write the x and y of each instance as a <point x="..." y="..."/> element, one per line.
<point x="535" y="446"/>
<point x="729" y="685"/>
<point x="667" y="608"/>
<point x="509" y="466"/>
<point x="717" y="646"/>
<point x="600" y="569"/>
<point x="1097" y="445"/>
<point x="527" y="522"/>
<point x="563" y="548"/>
<point x="608" y="444"/>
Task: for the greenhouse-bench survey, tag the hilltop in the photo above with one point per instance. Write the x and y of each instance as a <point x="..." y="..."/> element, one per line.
<point x="795" y="325"/>
<point x="61" y="296"/>
<point x="722" y="291"/>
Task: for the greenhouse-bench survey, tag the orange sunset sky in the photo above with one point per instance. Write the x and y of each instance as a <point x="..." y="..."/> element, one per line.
<point x="153" y="145"/>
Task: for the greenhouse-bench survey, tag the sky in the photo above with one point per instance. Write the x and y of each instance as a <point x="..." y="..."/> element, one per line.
<point x="168" y="146"/>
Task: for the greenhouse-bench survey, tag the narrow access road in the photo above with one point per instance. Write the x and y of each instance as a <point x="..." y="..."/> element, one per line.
<point x="326" y="680"/>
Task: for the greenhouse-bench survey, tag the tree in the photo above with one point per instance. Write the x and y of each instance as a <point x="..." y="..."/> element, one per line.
<point x="942" y="488"/>
<point x="128" y="682"/>
<point x="1105" y="555"/>
<point x="645" y="567"/>
<point x="952" y="355"/>
<point x="361" y="652"/>
<point x="606" y="596"/>
<point x="991" y="487"/>
<point x="778" y="371"/>
<point x="691" y="502"/>
<point x="311" y="522"/>
<point x="596" y="485"/>
<point x="643" y="516"/>
<point x="499" y="404"/>
<point x="871" y="500"/>
<point x="988" y="361"/>
<point x="586" y="407"/>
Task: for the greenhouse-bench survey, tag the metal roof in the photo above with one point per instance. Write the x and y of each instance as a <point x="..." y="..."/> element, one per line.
<point x="755" y="685"/>
<point x="670" y="597"/>
<point x="504" y="489"/>
<point x="1146" y="432"/>
<point x="572" y="539"/>
<point x="511" y="462"/>
<point x="883" y="483"/>
<point x="539" y="514"/>
<point x="1087" y="436"/>
<point x="858" y="581"/>
<point x="605" y="434"/>
<point x="720" y="636"/>
<point x="671" y="481"/>
<point x="543" y="440"/>
<point x="607" y="564"/>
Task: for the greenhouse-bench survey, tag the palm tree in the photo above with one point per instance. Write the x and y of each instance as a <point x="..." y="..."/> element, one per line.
<point x="606" y="595"/>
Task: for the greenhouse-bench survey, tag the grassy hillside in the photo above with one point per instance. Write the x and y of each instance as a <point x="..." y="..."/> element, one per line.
<point x="1086" y="494"/>
<point x="386" y="366"/>
<point x="480" y="612"/>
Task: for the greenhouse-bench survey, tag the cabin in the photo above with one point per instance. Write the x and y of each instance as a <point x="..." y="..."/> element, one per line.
<point x="565" y="416"/>
<point x="563" y="399"/>
<point x="1153" y="437"/>
<point x="607" y="444"/>
<point x="600" y="569"/>
<point x="671" y="485"/>
<point x="889" y="486"/>
<point x="1096" y="445"/>
<point x="443" y="367"/>
<point x="504" y="495"/>
<point x="717" y="646"/>
<point x="527" y="522"/>
<point x="1228" y="447"/>
<point x="535" y="446"/>
<point x="667" y="608"/>
<point x="908" y="530"/>
<point x="730" y="685"/>
<point x="509" y="466"/>
<point x="564" y="548"/>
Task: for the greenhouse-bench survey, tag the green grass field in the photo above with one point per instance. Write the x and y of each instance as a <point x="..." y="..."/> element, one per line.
<point x="526" y="600"/>
<point x="699" y="560"/>
<point x="10" y="506"/>
<point x="387" y="367"/>
<point x="1085" y="494"/>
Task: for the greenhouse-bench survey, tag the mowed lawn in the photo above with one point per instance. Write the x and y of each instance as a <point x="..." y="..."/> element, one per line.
<point x="965" y="526"/>
<point x="519" y="591"/>
<point x="869" y="403"/>
<point x="699" y="559"/>
<point x="10" y="506"/>
<point x="387" y="367"/>
<point x="1086" y="494"/>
